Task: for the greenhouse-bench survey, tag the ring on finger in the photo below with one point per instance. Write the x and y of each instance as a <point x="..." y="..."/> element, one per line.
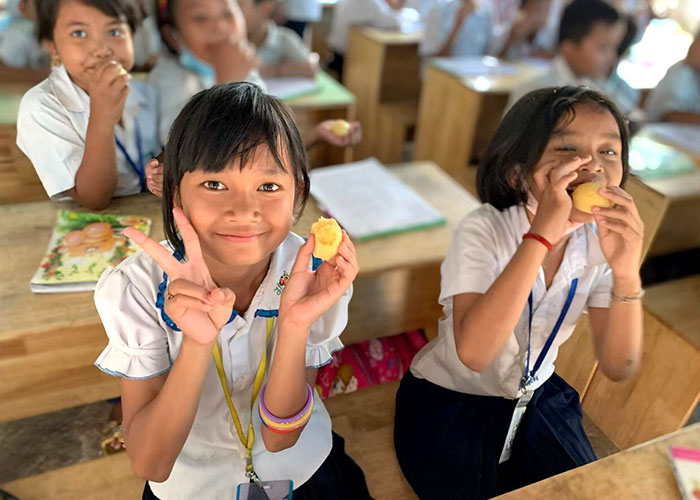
<point x="169" y="295"/>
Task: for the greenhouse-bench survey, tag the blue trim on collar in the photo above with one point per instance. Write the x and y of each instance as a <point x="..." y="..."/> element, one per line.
<point x="267" y="313"/>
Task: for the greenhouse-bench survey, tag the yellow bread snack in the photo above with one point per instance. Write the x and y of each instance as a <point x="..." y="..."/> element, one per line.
<point x="122" y="71"/>
<point x="586" y="197"/>
<point x="328" y="237"/>
<point x="340" y="128"/>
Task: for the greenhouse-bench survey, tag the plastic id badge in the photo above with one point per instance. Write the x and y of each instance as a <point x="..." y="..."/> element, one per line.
<point x="265" y="490"/>
<point x="518" y="414"/>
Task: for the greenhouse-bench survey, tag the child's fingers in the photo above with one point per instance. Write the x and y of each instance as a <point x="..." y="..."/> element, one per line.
<point x="177" y="305"/>
<point x="157" y="252"/>
<point x="619" y="227"/>
<point x="619" y="214"/>
<point x="304" y="255"/>
<point x="348" y="254"/>
<point x="222" y="296"/>
<point x="189" y="236"/>
<point x="185" y="287"/>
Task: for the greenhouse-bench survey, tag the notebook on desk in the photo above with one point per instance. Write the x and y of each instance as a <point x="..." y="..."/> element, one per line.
<point x="650" y="159"/>
<point x="369" y="201"/>
<point x="475" y="66"/>
<point x="83" y="245"/>
<point x="290" y="87"/>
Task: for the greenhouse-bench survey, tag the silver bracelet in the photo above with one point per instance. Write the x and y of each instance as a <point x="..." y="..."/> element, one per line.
<point x="628" y="299"/>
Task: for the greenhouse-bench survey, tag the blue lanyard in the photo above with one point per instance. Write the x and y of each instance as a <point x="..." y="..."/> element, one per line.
<point x="530" y="375"/>
<point x="137" y="168"/>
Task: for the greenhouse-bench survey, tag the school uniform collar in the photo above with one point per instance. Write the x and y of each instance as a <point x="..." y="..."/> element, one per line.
<point x="71" y="97"/>
<point x="266" y="300"/>
<point x="562" y="69"/>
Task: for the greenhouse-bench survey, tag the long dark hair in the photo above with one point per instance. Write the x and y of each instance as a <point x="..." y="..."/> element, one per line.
<point x="522" y="137"/>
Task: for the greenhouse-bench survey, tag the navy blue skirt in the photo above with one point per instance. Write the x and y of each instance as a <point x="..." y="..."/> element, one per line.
<point x="448" y="443"/>
<point x="338" y="478"/>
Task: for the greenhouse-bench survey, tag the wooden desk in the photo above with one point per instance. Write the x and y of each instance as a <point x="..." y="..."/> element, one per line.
<point x="457" y="116"/>
<point x="48" y="343"/>
<point x="18" y="180"/>
<point x="661" y="396"/>
<point x="321" y="30"/>
<point x="642" y="472"/>
<point x="380" y="67"/>
<point x="679" y="228"/>
<point x="331" y="102"/>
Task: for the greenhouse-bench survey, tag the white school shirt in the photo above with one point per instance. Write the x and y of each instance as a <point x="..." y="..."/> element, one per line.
<point x="558" y="74"/>
<point x="679" y="90"/>
<point x="52" y="125"/>
<point x="19" y="47"/>
<point x="282" y="45"/>
<point x="472" y="38"/>
<point x="371" y="13"/>
<point x="308" y="11"/>
<point x="482" y="246"/>
<point x="141" y="345"/>
<point x="176" y="85"/>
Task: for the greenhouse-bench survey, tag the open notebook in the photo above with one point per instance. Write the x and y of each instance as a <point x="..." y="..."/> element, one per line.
<point x="369" y="201"/>
<point x="83" y="245"/>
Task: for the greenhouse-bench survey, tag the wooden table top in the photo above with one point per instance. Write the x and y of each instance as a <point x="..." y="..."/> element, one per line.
<point x="641" y="472"/>
<point x="27" y="227"/>
<point x="496" y="82"/>
<point x="386" y="37"/>
<point x="331" y="94"/>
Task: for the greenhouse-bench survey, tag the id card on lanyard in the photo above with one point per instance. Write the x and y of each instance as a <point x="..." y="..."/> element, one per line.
<point x="530" y="376"/>
<point x="255" y="489"/>
<point x="136" y="166"/>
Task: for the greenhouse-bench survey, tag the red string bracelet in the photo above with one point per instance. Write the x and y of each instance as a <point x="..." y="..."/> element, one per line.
<point x="539" y="238"/>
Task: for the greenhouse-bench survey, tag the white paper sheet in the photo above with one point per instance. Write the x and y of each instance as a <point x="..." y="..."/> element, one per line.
<point x="368" y="201"/>
<point x="289" y="87"/>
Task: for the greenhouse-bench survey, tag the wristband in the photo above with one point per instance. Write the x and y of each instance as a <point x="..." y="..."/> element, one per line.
<point x="539" y="238"/>
<point x="628" y="299"/>
<point x="286" y="425"/>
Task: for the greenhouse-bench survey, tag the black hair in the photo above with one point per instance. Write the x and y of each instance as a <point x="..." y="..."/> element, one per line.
<point x="523" y="135"/>
<point x="225" y="123"/>
<point x="47" y="11"/>
<point x="165" y="16"/>
<point x="629" y="37"/>
<point x="580" y="16"/>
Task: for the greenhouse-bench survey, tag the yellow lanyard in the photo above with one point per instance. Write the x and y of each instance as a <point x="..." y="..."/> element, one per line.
<point x="259" y="376"/>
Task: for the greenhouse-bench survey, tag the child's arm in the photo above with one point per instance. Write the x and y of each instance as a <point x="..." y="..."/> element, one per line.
<point x="306" y="297"/>
<point x="617" y="332"/>
<point x="303" y="69"/>
<point x="466" y="9"/>
<point x="681" y="117"/>
<point x="158" y="412"/>
<point x="96" y="178"/>
<point x="483" y="323"/>
<point x="233" y="59"/>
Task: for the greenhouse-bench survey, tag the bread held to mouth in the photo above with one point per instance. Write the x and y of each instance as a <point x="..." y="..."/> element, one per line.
<point x="586" y="197"/>
<point x="328" y="235"/>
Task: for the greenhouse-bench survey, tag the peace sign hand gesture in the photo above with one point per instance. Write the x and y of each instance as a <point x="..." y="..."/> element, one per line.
<point x="193" y="301"/>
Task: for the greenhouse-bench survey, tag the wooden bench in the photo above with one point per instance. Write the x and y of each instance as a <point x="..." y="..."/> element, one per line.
<point x="661" y="396"/>
<point x="380" y="67"/>
<point x="642" y="472"/>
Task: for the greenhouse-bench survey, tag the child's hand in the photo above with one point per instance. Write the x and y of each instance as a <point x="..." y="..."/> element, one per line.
<point x="108" y="87"/>
<point x="233" y="59"/>
<point x="621" y="233"/>
<point x="192" y="300"/>
<point x="324" y="132"/>
<point x="154" y="177"/>
<point x="555" y="204"/>
<point x="309" y="294"/>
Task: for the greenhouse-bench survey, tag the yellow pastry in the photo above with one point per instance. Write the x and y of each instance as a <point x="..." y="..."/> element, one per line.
<point x="340" y="128"/>
<point x="328" y="236"/>
<point x="586" y="197"/>
<point x="122" y="71"/>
